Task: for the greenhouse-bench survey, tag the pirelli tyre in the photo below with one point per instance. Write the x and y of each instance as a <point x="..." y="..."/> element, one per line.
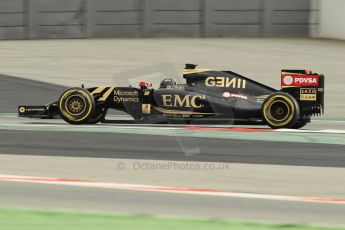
<point x="300" y="124"/>
<point x="280" y="110"/>
<point x="98" y="116"/>
<point x="76" y="106"/>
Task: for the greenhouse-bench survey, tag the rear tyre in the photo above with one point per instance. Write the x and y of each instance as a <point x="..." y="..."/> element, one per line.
<point x="300" y="124"/>
<point x="76" y="106"/>
<point x="280" y="110"/>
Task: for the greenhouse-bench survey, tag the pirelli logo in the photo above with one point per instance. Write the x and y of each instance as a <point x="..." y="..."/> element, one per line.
<point x="308" y="94"/>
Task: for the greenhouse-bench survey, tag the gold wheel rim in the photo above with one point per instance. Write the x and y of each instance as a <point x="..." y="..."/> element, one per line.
<point x="266" y="113"/>
<point x="75" y="106"/>
<point x="63" y="105"/>
<point x="273" y="117"/>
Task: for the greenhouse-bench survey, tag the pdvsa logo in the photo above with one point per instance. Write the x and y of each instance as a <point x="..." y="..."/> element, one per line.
<point x="306" y="80"/>
<point x="300" y="80"/>
<point x="288" y="80"/>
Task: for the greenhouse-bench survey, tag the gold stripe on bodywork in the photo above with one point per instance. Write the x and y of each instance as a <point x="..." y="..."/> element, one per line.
<point x="98" y="90"/>
<point x="262" y="96"/>
<point x="168" y="111"/>
<point x="190" y="71"/>
<point x="292" y="73"/>
<point x="106" y="94"/>
<point x="289" y="86"/>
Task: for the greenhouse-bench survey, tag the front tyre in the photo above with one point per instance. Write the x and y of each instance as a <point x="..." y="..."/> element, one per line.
<point x="98" y="116"/>
<point x="76" y="106"/>
<point x="280" y="110"/>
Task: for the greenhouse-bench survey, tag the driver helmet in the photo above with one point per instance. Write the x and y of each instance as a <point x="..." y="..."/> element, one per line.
<point x="166" y="82"/>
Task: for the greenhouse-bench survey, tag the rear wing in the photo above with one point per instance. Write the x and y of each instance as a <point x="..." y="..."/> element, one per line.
<point x="307" y="88"/>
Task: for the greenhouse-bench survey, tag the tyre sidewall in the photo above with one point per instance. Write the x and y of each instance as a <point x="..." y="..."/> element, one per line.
<point x="89" y="106"/>
<point x="98" y="116"/>
<point x="293" y="108"/>
<point x="299" y="124"/>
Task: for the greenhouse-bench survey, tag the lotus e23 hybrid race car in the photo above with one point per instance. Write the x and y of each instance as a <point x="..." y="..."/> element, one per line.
<point x="207" y="95"/>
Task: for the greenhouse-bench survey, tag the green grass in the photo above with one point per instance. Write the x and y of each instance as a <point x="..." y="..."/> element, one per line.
<point x="20" y="219"/>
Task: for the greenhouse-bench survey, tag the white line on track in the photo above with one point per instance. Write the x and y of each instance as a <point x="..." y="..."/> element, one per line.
<point x="85" y="126"/>
<point x="333" y="131"/>
<point x="152" y="188"/>
<point x="174" y="127"/>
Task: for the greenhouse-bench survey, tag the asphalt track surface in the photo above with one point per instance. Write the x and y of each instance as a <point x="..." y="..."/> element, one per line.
<point x="65" y="197"/>
<point x="131" y="146"/>
<point x="15" y="91"/>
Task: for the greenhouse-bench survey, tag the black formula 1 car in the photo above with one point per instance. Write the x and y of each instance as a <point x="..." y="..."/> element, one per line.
<point x="207" y="95"/>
